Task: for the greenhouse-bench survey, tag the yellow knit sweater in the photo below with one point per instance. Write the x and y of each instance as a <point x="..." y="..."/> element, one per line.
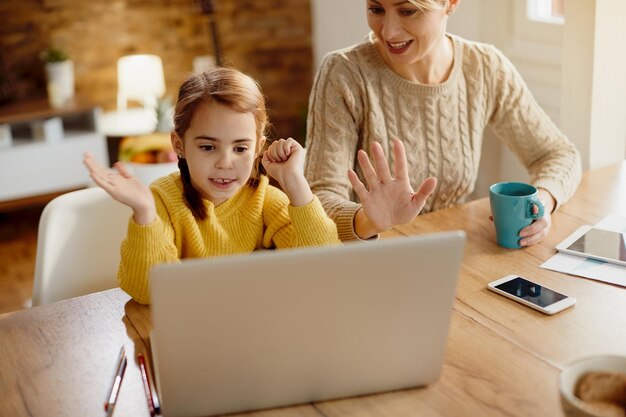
<point x="254" y="218"/>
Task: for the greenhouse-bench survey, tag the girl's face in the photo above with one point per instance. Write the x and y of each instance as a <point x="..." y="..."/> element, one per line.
<point x="405" y="35"/>
<point x="220" y="148"/>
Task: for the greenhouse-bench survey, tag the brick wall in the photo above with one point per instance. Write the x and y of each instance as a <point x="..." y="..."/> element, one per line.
<point x="268" y="39"/>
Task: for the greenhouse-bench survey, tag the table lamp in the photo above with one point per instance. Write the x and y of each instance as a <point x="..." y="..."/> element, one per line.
<point x="139" y="77"/>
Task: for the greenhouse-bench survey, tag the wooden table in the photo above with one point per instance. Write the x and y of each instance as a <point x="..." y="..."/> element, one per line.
<point x="501" y="359"/>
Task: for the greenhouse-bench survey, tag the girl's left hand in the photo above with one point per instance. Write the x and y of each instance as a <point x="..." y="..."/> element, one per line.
<point x="284" y="161"/>
<point x="284" y="157"/>
<point x="539" y="229"/>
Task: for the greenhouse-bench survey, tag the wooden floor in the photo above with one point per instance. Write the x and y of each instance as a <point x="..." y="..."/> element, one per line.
<point x="18" y="246"/>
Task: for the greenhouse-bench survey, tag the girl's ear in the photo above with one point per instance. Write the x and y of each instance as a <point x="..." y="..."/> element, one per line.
<point x="178" y="145"/>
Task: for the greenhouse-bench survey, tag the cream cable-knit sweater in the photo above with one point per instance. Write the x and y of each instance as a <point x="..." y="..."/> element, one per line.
<point x="254" y="218"/>
<point x="357" y="99"/>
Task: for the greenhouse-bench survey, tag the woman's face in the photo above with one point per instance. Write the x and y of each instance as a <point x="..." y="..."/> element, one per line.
<point x="405" y="35"/>
<point x="220" y="148"/>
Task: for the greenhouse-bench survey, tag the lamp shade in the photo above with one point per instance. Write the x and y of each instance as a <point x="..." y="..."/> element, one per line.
<point x="140" y="77"/>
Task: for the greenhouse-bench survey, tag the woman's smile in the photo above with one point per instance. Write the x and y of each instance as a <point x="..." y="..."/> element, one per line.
<point x="398" y="47"/>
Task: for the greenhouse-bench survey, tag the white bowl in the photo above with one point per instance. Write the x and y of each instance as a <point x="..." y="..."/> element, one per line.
<point x="571" y="373"/>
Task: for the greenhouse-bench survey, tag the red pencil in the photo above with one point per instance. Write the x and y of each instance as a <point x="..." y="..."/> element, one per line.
<point x="146" y="383"/>
<point x="155" y="397"/>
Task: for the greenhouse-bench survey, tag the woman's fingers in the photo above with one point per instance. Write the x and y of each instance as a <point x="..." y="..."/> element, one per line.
<point x="534" y="227"/>
<point x="535" y="232"/>
<point x="357" y="185"/>
<point x="534" y="238"/>
<point x="380" y="172"/>
<point x="368" y="170"/>
<point x="400" y="169"/>
<point x="382" y="166"/>
<point x="424" y="191"/>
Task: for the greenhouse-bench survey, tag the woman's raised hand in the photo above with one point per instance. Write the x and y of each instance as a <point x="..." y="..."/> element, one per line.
<point x="387" y="201"/>
<point x="123" y="187"/>
<point x="284" y="161"/>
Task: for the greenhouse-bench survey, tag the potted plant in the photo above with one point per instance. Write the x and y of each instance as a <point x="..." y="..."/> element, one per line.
<point x="60" y="76"/>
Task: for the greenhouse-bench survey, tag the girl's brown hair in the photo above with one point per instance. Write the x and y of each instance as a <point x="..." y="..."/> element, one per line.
<point x="229" y="87"/>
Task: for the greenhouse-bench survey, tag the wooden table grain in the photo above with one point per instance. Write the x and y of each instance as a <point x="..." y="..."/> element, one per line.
<point x="593" y="326"/>
<point x="501" y="357"/>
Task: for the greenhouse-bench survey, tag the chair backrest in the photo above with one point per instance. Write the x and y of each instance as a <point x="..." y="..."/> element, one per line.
<point x="78" y="245"/>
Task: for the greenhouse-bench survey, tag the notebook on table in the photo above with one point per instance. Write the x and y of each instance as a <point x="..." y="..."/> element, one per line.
<point x="276" y="328"/>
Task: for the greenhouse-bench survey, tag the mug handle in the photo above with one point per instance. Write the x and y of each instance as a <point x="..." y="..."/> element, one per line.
<point x="529" y="208"/>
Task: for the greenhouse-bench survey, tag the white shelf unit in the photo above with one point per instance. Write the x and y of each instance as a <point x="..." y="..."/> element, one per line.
<point x="31" y="167"/>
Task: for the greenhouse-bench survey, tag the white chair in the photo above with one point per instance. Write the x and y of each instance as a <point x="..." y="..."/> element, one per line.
<point x="78" y="245"/>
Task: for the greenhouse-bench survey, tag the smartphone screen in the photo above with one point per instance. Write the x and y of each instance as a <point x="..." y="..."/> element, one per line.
<point x="530" y="291"/>
<point x="602" y="243"/>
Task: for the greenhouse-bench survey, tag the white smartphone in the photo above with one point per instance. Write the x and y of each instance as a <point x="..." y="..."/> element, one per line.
<point x="593" y="243"/>
<point x="531" y="294"/>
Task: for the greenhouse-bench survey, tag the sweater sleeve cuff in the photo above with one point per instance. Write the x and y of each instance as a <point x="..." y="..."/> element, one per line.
<point x="311" y="212"/>
<point x="555" y="188"/>
<point x="345" y="224"/>
<point x="144" y="235"/>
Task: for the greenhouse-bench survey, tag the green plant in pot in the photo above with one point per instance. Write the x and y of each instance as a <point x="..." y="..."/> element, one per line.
<point x="60" y="76"/>
<point x="52" y="55"/>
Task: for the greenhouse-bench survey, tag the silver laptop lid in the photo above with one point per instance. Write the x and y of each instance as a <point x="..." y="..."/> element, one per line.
<point x="269" y="329"/>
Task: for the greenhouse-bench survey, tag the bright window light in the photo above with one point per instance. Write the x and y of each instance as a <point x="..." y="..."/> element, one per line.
<point x="546" y="11"/>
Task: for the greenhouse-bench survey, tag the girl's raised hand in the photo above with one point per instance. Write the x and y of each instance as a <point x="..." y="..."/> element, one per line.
<point x="123" y="187"/>
<point x="284" y="161"/>
<point x="389" y="201"/>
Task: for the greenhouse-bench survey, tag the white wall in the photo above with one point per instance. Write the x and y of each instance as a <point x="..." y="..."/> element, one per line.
<point x="466" y="20"/>
<point x="535" y="49"/>
<point x="337" y="24"/>
<point x="594" y="103"/>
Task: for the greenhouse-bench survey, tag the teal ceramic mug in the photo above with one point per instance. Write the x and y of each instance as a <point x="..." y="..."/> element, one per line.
<point x="512" y="209"/>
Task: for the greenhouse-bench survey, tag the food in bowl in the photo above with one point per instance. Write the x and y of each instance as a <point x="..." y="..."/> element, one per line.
<point x="594" y="387"/>
<point x="147" y="149"/>
<point x="603" y="393"/>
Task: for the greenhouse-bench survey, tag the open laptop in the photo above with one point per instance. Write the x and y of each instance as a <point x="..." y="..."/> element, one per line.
<point x="269" y="329"/>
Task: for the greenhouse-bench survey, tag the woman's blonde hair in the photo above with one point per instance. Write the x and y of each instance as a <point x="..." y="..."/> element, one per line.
<point x="228" y="87"/>
<point x="426" y="5"/>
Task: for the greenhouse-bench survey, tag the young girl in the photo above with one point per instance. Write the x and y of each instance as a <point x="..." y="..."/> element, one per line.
<point x="219" y="203"/>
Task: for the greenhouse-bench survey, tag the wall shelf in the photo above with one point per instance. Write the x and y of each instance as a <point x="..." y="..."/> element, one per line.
<point x="32" y="166"/>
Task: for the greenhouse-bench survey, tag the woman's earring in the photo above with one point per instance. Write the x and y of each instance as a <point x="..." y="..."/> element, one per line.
<point x="180" y="156"/>
<point x="449" y="12"/>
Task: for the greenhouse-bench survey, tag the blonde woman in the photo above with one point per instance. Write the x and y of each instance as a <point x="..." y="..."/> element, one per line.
<point x="419" y="99"/>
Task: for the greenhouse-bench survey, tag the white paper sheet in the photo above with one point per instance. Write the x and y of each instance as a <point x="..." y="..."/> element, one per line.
<point x="591" y="268"/>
